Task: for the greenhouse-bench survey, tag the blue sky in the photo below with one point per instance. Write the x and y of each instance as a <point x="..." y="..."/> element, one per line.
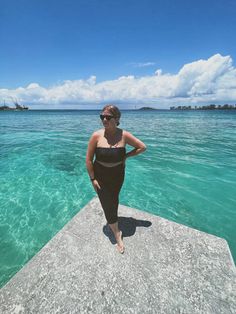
<point x="57" y="47"/>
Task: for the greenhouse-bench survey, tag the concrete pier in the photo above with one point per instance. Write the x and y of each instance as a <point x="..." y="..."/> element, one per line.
<point x="166" y="268"/>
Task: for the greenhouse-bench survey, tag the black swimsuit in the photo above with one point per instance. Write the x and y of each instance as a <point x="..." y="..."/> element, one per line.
<point x="110" y="179"/>
<point x="107" y="154"/>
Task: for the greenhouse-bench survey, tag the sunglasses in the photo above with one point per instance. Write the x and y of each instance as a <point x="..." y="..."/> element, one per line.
<point x="108" y="118"/>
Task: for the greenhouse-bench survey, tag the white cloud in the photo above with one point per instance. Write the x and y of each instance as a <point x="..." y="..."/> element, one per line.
<point x="142" y="64"/>
<point x="202" y="81"/>
<point x="158" y="72"/>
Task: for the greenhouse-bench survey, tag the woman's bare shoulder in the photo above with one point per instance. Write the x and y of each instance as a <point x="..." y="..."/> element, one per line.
<point x="98" y="133"/>
<point x="125" y="133"/>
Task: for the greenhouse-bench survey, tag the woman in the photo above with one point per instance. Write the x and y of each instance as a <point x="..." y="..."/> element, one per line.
<point x="108" y="170"/>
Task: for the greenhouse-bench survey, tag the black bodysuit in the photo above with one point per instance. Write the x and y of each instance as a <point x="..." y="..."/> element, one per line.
<point x="110" y="179"/>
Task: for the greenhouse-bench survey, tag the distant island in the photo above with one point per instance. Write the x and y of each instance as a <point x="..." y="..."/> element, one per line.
<point x="147" y="108"/>
<point x="206" y="107"/>
<point x="18" y="107"/>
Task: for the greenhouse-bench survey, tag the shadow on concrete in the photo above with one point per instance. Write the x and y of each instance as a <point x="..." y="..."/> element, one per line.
<point x="128" y="227"/>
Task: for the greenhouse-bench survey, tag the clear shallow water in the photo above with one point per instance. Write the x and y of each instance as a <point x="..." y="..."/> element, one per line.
<point x="187" y="174"/>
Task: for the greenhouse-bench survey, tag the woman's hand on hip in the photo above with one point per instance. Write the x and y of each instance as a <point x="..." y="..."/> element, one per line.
<point x="96" y="185"/>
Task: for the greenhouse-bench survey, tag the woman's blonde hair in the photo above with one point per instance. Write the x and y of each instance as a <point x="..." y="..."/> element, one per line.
<point x="114" y="111"/>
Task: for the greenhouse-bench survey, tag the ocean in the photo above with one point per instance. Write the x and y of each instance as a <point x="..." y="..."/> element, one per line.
<point x="187" y="174"/>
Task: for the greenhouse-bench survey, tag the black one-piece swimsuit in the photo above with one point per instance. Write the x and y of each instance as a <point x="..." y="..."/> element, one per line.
<point x="110" y="179"/>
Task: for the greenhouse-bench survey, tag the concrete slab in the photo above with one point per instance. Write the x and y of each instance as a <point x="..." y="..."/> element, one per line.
<point x="166" y="268"/>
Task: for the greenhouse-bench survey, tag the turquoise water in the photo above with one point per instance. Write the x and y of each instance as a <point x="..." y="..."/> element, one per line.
<point x="187" y="174"/>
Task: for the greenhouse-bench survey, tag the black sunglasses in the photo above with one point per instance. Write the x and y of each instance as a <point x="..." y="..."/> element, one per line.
<point x="108" y="118"/>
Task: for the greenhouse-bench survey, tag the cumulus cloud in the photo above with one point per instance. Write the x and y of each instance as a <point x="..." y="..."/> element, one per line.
<point x="201" y="81"/>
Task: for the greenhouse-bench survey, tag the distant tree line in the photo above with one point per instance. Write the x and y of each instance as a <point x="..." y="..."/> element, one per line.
<point x="206" y="107"/>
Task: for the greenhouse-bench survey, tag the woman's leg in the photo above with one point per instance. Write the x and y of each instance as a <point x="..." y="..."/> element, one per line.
<point x="117" y="233"/>
<point x="109" y="202"/>
<point x="109" y="198"/>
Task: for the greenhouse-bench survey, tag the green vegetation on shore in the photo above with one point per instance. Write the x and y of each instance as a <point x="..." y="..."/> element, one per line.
<point x="147" y="108"/>
<point x="206" y="107"/>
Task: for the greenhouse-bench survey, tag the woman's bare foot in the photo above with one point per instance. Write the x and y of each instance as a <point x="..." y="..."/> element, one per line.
<point x="120" y="244"/>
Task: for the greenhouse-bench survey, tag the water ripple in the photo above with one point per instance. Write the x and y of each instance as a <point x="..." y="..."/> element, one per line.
<point x="187" y="174"/>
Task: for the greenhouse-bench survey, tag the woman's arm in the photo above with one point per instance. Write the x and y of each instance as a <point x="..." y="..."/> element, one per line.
<point x="138" y="145"/>
<point x="89" y="159"/>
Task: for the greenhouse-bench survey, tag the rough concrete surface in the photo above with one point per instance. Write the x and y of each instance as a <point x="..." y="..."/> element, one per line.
<point x="166" y="268"/>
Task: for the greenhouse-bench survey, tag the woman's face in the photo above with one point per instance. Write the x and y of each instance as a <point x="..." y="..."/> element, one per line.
<point x="109" y="123"/>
